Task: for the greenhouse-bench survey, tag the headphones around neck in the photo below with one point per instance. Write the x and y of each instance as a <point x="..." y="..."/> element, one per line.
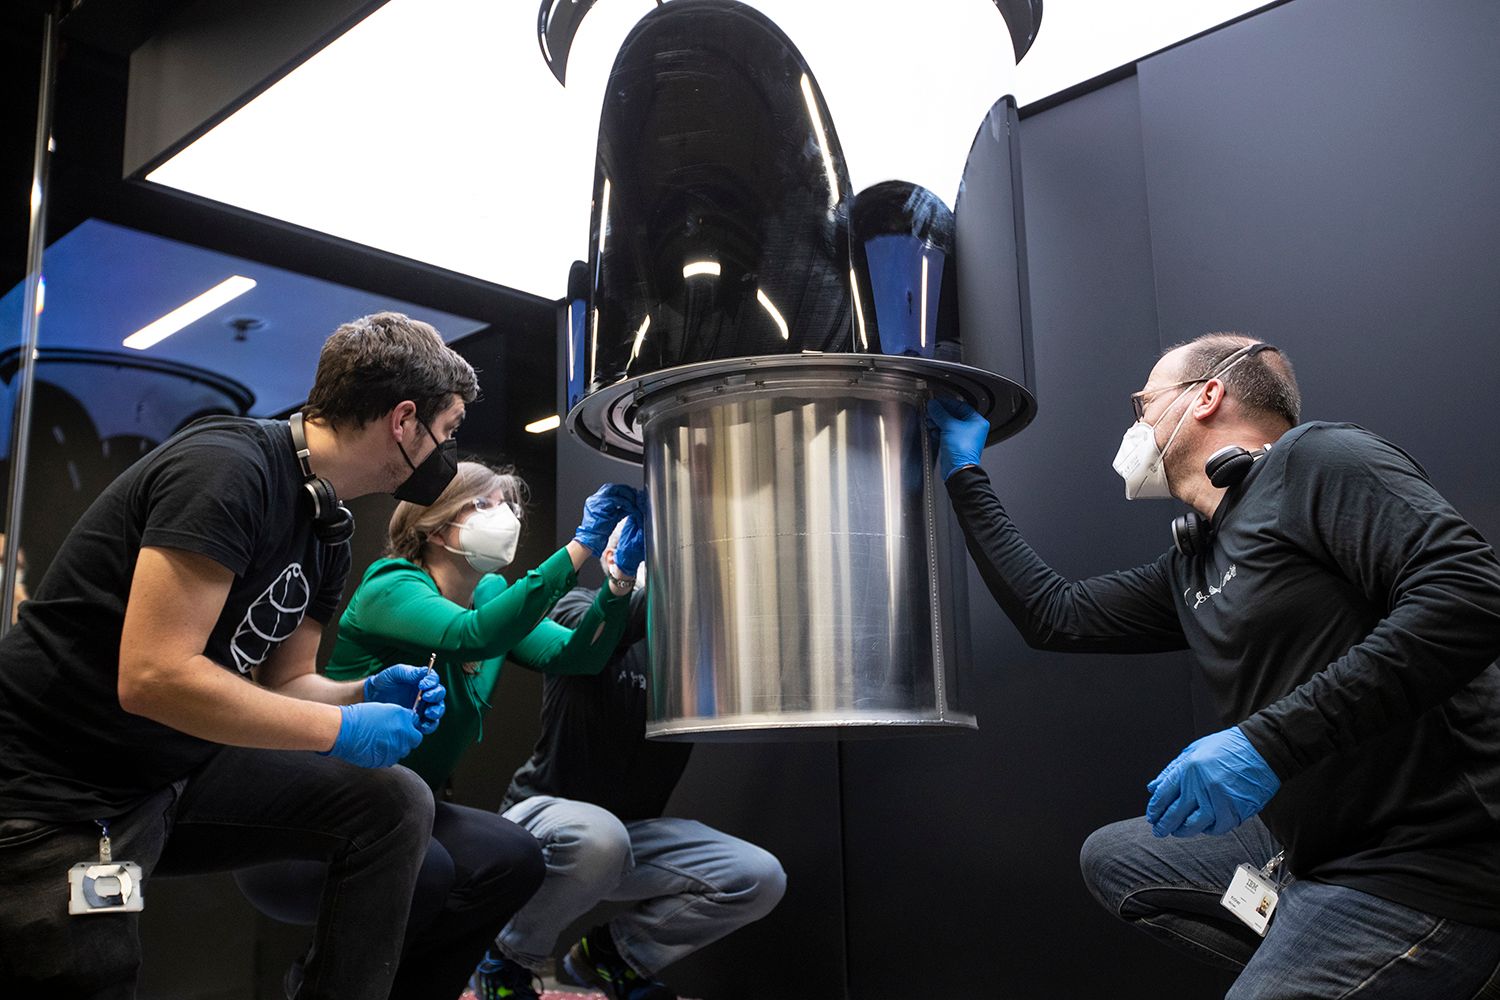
<point x="332" y="521"/>
<point x="1226" y="469"/>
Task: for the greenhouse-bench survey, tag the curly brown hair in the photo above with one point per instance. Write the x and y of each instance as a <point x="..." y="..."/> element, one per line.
<point x="369" y="365"/>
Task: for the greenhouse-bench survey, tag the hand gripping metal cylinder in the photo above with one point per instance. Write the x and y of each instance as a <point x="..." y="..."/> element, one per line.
<point x="765" y="342"/>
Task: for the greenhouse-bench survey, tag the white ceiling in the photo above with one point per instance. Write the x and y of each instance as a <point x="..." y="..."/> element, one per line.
<point x="434" y="130"/>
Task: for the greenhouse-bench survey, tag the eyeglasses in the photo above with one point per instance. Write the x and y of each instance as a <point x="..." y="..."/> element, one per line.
<point x="1140" y="400"/>
<point x="452" y="435"/>
<point x="485" y="503"/>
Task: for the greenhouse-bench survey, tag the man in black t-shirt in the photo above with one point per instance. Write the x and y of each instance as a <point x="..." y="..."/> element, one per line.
<point x="593" y="794"/>
<point x="1345" y="621"/>
<point x="159" y="687"/>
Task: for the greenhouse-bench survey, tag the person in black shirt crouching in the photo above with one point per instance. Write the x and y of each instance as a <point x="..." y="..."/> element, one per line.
<point x="1342" y="831"/>
<point x="593" y="793"/>
<point x="159" y="708"/>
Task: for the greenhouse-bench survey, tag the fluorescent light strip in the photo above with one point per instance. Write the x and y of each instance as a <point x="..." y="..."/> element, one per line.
<point x="544" y="425"/>
<point x="572" y="316"/>
<point x="859" y="310"/>
<point x="640" y="335"/>
<point x="594" y="351"/>
<point x="786" y="334"/>
<point x="189" y="312"/>
<point x="701" y="267"/>
<point x="923" y="332"/>
<point x="817" y="121"/>
<point x="603" y="220"/>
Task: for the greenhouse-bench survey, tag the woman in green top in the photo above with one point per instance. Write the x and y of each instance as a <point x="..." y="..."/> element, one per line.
<point x="438" y="598"/>
<point x="439" y="595"/>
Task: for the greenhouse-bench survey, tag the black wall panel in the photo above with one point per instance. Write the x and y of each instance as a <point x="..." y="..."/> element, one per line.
<point x="1320" y="175"/>
<point x="962" y="850"/>
<point x="1324" y="175"/>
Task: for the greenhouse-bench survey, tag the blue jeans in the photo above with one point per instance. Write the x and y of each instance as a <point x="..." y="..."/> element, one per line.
<point x="477" y="872"/>
<point x="689" y="883"/>
<point x="242" y="806"/>
<point x="1325" y="941"/>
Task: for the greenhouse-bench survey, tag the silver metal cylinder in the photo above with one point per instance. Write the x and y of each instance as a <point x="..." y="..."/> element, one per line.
<point x="804" y="575"/>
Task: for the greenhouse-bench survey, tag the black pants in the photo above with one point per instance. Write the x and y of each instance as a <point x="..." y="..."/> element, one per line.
<point x="370" y="827"/>
<point x="478" y="871"/>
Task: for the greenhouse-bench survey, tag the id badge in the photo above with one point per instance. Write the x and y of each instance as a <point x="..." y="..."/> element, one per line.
<point x="94" y="887"/>
<point x="106" y="885"/>
<point x="1251" y="896"/>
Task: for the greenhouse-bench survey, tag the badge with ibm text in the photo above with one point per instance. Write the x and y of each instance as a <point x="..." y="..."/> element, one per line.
<point x="1252" y="897"/>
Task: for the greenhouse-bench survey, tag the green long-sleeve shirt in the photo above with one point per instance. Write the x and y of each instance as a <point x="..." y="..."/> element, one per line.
<point x="397" y="616"/>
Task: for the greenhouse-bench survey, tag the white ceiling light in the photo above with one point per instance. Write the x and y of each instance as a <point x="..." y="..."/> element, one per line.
<point x="698" y="267"/>
<point x="859" y="310"/>
<point x="189" y="312"/>
<point x="776" y="316"/>
<point x="640" y="336"/>
<point x="471" y="157"/>
<point x="544" y="425"/>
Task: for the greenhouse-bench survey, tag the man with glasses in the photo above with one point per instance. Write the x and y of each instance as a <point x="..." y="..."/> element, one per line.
<point x="159" y="708"/>
<point x="1342" y="831"/>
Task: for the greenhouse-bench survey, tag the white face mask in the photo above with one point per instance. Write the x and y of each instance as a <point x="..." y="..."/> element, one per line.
<point x="488" y="538"/>
<point x="1141" y="464"/>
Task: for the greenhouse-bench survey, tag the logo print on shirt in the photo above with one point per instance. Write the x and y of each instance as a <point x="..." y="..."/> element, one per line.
<point x="271" y="617"/>
<point x="1193" y="600"/>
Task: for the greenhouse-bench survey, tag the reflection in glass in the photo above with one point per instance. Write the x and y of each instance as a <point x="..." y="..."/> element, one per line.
<point x="576" y="334"/>
<point x="94" y="413"/>
<point x="903" y="272"/>
<point x="716" y="158"/>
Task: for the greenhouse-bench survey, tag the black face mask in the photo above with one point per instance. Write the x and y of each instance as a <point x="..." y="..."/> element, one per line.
<point x="428" y="480"/>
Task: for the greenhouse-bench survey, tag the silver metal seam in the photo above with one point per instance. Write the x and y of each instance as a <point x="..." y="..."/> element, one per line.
<point x="30" y="320"/>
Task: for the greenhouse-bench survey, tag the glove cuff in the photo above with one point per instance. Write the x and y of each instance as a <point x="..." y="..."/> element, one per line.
<point x="343" y="731"/>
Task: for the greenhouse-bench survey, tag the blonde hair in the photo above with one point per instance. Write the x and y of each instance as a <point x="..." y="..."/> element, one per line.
<point x="411" y="523"/>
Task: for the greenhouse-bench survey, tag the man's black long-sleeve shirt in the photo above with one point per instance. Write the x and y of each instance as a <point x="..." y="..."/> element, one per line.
<point x="1347" y="619"/>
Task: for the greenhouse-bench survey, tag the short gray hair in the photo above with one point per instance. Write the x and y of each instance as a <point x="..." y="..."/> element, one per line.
<point x="1263" y="381"/>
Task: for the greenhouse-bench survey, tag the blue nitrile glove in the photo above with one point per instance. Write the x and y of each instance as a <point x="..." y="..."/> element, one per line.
<point x="960" y="433"/>
<point x="630" y="550"/>
<point x="601" y="512"/>
<point x="416" y="688"/>
<point x="1212" y="787"/>
<point x="375" y="734"/>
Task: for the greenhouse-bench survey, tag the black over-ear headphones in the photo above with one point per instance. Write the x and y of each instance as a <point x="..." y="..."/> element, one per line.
<point x="1225" y="468"/>
<point x="332" y="521"/>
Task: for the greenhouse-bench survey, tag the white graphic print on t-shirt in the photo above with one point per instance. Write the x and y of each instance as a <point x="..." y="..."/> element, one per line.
<point x="271" y="617"/>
